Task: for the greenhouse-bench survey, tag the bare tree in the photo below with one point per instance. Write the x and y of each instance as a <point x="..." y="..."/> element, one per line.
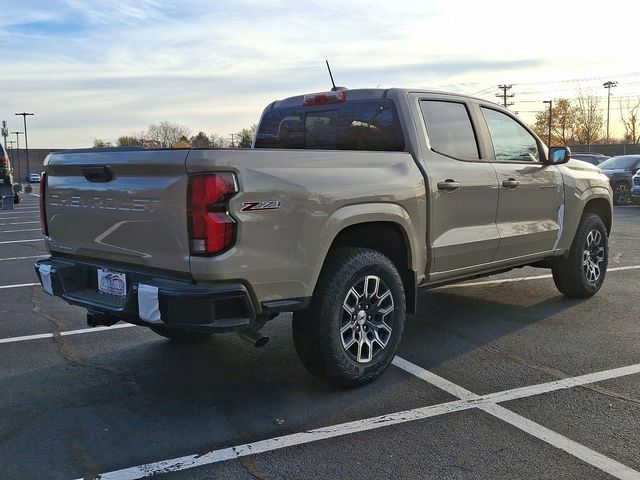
<point x="131" y="141"/>
<point x="166" y="134"/>
<point x="217" y="141"/>
<point x="587" y="128"/>
<point x="631" y="120"/>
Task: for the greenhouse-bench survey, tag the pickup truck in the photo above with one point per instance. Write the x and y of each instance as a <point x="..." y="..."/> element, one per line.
<point x="349" y="202"/>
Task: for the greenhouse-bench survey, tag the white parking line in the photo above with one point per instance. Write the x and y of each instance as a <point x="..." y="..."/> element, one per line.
<point x="17" y="218"/>
<point x="64" y="334"/>
<point x="486" y="403"/>
<point x="587" y="455"/>
<point x="5" y="287"/>
<point x="467" y="400"/>
<point x="23" y="230"/>
<point x="21" y="258"/>
<point x="522" y="279"/>
<point x="16" y="223"/>
<point x="23" y="241"/>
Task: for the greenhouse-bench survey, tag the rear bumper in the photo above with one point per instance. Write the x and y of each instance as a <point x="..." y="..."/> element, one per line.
<point x="178" y="303"/>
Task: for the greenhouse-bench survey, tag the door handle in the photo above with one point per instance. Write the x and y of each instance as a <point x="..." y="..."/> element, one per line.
<point x="448" y="185"/>
<point x="511" y="183"/>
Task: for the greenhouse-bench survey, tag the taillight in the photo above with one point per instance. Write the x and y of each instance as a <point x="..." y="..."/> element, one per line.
<point x="211" y="227"/>
<point x="325" y="98"/>
<point x="43" y="205"/>
<point x="4" y="160"/>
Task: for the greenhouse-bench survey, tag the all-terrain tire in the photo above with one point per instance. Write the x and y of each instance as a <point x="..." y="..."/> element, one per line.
<point x="322" y="332"/>
<point x="582" y="273"/>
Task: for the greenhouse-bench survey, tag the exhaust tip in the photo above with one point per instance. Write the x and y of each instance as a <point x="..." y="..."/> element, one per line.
<point x="253" y="336"/>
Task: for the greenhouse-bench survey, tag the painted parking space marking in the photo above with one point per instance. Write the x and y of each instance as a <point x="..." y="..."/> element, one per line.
<point x="7" y="259"/>
<point x="22" y="241"/>
<point x="17" y="223"/>
<point x="587" y="455"/>
<point x="486" y="403"/>
<point x="66" y="333"/>
<point x="21" y="230"/>
<point x="467" y="400"/>
<point x="523" y="279"/>
<point x="19" y="285"/>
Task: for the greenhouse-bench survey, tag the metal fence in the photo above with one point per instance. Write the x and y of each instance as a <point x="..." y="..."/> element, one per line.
<point x="609" y="149"/>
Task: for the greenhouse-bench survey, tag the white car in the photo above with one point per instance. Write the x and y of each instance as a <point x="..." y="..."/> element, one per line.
<point x="33" y="178"/>
<point x="635" y="188"/>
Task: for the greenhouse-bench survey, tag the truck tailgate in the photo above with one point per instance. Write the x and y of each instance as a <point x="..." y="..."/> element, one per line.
<point x="125" y="206"/>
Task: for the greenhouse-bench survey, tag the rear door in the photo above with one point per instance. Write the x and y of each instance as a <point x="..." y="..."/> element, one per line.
<point x="464" y="187"/>
<point x="531" y="199"/>
<point x="119" y="206"/>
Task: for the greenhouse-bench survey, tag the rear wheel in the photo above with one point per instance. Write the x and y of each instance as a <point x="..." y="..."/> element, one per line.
<point x="582" y="273"/>
<point x="177" y="335"/>
<point x="351" y="331"/>
<point x="621" y="193"/>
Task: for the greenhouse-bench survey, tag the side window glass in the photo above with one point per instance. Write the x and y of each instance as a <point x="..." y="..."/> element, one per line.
<point x="511" y="141"/>
<point x="449" y="129"/>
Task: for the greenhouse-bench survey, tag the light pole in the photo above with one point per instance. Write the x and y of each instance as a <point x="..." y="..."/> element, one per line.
<point x="550" y="102"/>
<point x="18" y="152"/>
<point x="26" y="141"/>
<point x="608" y="86"/>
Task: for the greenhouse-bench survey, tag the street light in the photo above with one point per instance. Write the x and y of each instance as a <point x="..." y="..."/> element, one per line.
<point x="26" y="141"/>
<point x="18" y="151"/>
<point x="608" y="86"/>
<point x="550" y="102"/>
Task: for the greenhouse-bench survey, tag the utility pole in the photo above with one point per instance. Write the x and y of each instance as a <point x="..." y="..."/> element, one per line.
<point x="26" y="142"/>
<point x="504" y="95"/>
<point x="5" y="133"/>
<point x="18" y="152"/>
<point x="233" y="145"/>
<point x="550" y="102"/>
<point x="608" y="86"/>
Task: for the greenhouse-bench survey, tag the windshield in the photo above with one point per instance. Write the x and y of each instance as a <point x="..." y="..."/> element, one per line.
<point x="620" y="162"/>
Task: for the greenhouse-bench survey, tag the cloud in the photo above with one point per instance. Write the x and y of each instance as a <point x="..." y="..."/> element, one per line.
<point x="103" y="68"/>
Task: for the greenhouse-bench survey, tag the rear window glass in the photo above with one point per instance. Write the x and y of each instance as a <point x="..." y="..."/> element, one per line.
<point x="365" y="125"/>
<point x="620" y="162"/>
<point x="449" y="129"/>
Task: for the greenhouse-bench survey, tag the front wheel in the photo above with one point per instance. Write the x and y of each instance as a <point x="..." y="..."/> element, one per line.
<point x="582" y="273"/>
<point x="352" y="329"/>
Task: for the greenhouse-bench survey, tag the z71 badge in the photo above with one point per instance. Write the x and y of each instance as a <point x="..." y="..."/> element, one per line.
<point x="261" y="205"/>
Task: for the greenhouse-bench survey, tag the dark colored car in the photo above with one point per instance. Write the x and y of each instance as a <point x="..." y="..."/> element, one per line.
<point x="593" y="158"/>
<point x="620" y="171"/>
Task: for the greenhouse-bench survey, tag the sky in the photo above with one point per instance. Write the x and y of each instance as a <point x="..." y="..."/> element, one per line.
<point x="101" y="69"/>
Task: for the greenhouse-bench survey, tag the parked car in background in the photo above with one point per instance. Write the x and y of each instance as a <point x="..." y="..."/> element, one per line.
<point x="635" y="188"/>
<point x="33" y="178"/>
<point x="592" y="158"/>
<point x="620" y="170"/>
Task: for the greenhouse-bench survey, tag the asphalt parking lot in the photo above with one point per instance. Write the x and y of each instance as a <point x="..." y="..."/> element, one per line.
<point x="496" y="378"/>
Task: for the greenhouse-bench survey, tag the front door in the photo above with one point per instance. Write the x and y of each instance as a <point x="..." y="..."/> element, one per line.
<point x="531" y="193"/>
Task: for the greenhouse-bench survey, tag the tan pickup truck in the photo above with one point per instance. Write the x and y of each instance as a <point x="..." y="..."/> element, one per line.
<point x="349" y="202"/>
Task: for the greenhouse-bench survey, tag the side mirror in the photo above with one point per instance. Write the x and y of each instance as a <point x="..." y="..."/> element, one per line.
<point x="559" y="155"/>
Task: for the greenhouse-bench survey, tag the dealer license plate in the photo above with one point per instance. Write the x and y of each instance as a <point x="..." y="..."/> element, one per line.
<point x="112" y="283"/>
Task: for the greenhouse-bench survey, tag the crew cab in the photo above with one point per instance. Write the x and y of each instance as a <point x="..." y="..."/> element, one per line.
<point x="349" y="202"/>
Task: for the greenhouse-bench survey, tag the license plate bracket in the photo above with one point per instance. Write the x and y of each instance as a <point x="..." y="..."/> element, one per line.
<point x="112" y="283"/>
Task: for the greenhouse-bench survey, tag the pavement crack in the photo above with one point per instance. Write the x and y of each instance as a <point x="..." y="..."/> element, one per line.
<point x="66" y="351"/>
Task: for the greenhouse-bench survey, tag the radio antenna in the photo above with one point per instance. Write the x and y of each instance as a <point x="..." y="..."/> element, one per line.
<point x="331" y="75"/>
